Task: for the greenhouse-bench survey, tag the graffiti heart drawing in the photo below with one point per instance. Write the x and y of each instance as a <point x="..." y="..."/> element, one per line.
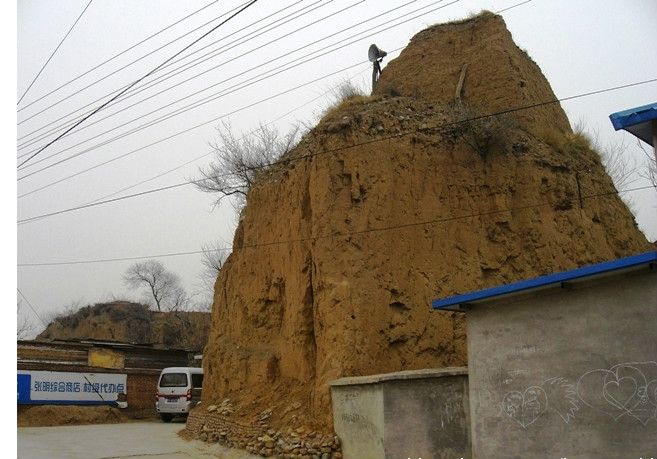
<point x="562" y="398"/>
<point x="525" y="407"/>
<point x="627" y="389"/>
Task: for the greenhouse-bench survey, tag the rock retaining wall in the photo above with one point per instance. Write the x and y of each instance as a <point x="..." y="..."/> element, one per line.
<point x="259" y="438"/>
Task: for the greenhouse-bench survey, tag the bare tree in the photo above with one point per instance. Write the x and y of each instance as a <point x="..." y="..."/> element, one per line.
<point x="179" y="299"/>
<point x="621" y="167"/>
<point x="213" y="259"/>
<point x="24" y="327"/>
<point x="163" y="285"/>
<point x="240" y="160"/>
<point x="617" y="161"/>
<point x="650" y="172"/>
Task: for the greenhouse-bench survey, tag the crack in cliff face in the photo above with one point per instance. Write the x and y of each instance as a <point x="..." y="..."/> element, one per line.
<point x="309" y="307"/>
<point x="310" y="269"/>
<point x="378" y="228"/>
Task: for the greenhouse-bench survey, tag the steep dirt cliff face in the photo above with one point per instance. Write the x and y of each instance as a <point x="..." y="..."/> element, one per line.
<point x="391" y="202"/>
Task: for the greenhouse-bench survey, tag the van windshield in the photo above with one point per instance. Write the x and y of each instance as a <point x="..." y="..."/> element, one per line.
<point x="173" y="380"/>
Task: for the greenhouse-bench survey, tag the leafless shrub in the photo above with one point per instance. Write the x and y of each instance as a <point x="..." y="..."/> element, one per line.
<point x="340" y="94"/>
<point x="68" y="316"/>
<point x="345" y="90"/>
<point x="484" y="134"/>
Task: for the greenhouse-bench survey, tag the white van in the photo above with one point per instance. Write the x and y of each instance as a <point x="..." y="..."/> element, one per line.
<point x="178" y="390"/>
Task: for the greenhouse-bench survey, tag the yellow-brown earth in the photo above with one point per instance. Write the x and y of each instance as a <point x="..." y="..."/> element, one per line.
<point x="392" y="201"/>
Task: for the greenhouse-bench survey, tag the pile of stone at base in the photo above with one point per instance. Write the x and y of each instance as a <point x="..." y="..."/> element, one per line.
<point x="214" y="426"/>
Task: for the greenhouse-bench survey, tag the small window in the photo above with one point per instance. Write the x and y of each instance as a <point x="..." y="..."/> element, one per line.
<point x="197" y="380"/>
<point x="173" y="380"/>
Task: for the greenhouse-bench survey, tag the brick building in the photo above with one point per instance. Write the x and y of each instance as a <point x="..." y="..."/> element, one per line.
<point x="140" y="363"/>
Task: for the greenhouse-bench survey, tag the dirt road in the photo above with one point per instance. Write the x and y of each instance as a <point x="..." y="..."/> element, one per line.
<point x="155" y="440"/>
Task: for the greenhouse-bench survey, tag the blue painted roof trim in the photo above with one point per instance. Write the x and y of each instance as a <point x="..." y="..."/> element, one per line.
<point x="627" y="118"/>
<point x="550" y="279"/>
<point x="637" y="121"/>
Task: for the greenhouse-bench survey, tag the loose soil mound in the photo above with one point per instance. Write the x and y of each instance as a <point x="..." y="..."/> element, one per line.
<point x="393" y="201"/>
<point x="50" y="415"/>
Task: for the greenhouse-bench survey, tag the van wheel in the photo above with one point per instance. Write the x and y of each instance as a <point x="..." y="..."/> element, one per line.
<point x="166" y="417"/>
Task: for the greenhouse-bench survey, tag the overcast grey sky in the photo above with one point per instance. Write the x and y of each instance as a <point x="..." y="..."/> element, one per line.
<point x="581" y="46"/>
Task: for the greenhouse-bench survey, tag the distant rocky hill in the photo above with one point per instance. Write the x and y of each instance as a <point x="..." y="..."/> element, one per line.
<point x="128" y="322"/>
<point x="397" y="199"/>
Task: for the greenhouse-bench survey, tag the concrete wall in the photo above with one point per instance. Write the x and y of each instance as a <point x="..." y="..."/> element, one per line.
<point x="566" y="372"/>
<point x="358" y="419"/>
<point x="414" y="414"/>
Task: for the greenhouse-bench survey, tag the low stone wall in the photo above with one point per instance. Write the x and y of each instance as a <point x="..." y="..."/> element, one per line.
<point x="408" y="414"/>
<point x="213" y="427"/>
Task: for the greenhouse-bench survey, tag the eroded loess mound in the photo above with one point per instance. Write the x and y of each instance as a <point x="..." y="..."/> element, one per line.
<point x="393" y="201"/>
<point x="127" y="322"/>
<point x="498" y="76"/>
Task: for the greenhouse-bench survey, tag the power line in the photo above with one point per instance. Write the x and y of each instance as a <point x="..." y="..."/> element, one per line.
<point x="512" y="6"/>
<point x="209" y="153"/>
<point x="137" y="81"/>
<point x="337" y="235"/>
<point x="212" y="54"/>
<point x="189" y="65"/>
<point x="105" y="197"/>
<point x="297" y="87"/>
<point x="93" y="204"/>
<point x="175" y="72"/>
<point x="121" y="53"/>
<point x="367" y="142"/>
<point x="253" y="80"/>
<point x="370" y="141"/>
<point x="125" y="66"/>
<point x="206" y="71"/>
<point x="171" y="87"/>
<point x="102" y="200"/>
<point x="157" y="80"/>
<point x="187" y="130"/>
<point x="32" y="307"/>
<point x="53" y="53"/>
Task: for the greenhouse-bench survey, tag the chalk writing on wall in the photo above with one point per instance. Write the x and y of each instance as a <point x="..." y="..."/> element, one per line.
<point x="627" y="390"/>
<point x="525" y="407"/>
<point x="624" y="390"/>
